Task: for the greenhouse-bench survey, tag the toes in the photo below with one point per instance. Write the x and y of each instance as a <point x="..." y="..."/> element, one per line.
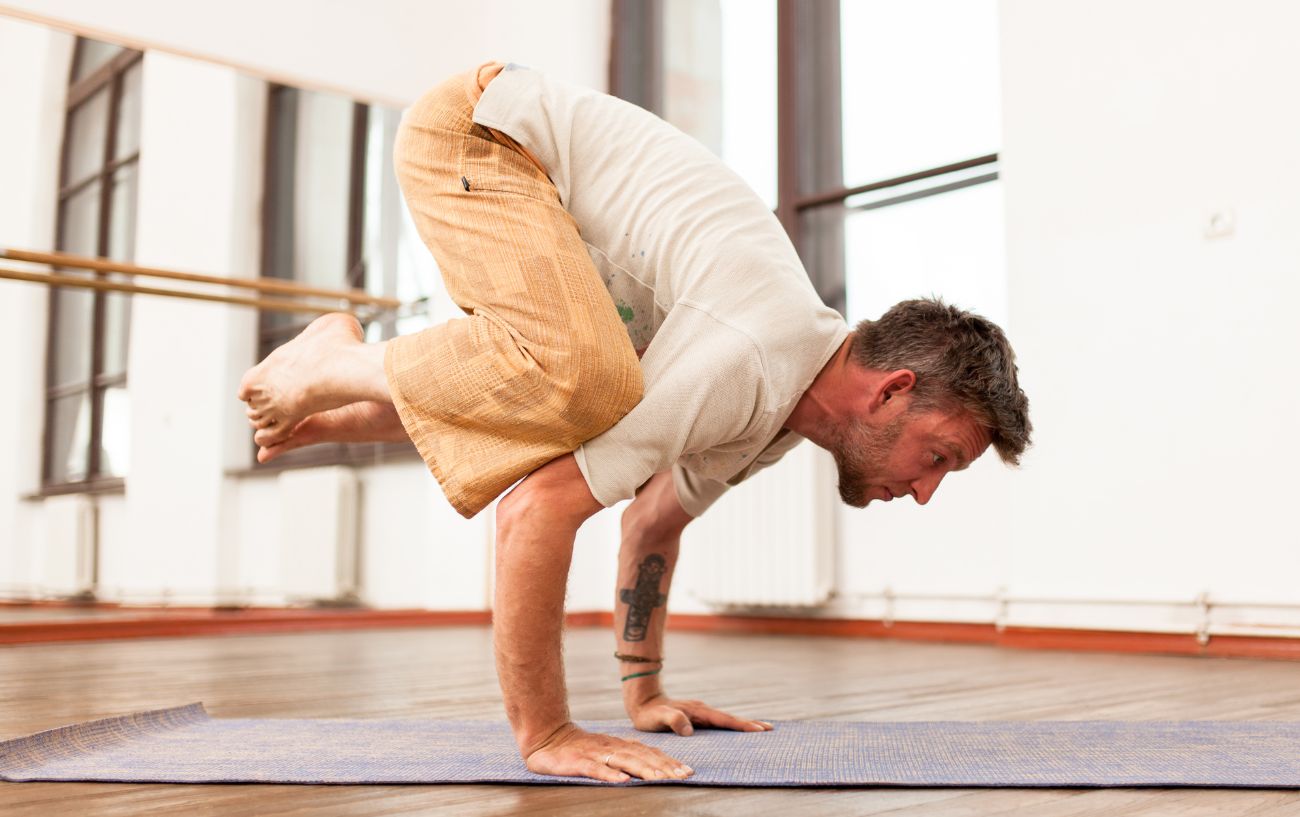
<point x="269" y="452"/>
<point x="270" y="436"/>
<point x="296" y="433"/>
<point x="246" y="389"/>
<point x="303" y="434"/>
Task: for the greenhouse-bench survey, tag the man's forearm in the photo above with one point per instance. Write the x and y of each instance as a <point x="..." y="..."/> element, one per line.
<point x="652" y="529"/>
<point x="532" y="567"/>
<point x="645" y="573"/>
<point x="536" y="526"/>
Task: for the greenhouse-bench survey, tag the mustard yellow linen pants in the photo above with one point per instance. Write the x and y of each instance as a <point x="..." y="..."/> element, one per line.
<point x="542" y="362"/>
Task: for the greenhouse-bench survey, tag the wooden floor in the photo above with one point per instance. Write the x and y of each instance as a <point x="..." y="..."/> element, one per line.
<point x="447" y="672"/>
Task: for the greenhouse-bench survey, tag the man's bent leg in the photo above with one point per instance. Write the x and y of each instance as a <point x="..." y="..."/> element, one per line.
<point x="543" y="362"/>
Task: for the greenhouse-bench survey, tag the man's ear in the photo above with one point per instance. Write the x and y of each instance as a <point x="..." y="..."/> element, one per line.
<point x="894" y="384"/>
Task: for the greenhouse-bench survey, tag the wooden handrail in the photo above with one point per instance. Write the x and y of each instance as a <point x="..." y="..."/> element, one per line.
<point x="269" y="304"/>
<point x="272" y="285"/>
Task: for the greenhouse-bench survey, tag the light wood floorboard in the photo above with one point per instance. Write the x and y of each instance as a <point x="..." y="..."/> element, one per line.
<point x="447" y="673"/>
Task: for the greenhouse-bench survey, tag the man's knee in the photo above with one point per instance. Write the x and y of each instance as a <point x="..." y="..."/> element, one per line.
<point x="556" y="491"/>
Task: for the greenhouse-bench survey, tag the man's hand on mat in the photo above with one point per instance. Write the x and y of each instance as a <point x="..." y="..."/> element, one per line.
<point x="575" y="752"/>
<point x="661" y="713"/>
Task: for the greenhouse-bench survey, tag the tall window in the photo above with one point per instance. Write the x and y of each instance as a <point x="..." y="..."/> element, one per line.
<point x="87" y="417"/>
<point x="333" y="218"/>
<point x="921" y="129"/>
<point x="871" y="127"/>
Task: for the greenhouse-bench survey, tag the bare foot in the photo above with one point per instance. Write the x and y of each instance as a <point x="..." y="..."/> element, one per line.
<point x="323" y="368"/>
<point x="364" y="422"/>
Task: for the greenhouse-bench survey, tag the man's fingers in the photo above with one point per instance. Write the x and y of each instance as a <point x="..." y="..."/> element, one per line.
<point x="569" y="764"/>
<point x="679" y="722"/>
<point x="646" y="768"/>
<point x="716" y="717"/>
<point x="599" y="771"/>
<point x="604" y="757"/>
<point x="656" y="759"/>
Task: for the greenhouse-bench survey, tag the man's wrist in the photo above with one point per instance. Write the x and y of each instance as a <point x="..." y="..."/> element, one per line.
<point x="532" y="739"/>
<point x="636" y="691"/>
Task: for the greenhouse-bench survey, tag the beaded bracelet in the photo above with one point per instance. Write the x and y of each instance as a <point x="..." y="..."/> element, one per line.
<point x="641" y="674"/>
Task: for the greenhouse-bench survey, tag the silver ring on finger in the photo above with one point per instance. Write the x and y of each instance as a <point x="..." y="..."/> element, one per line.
<point x="607" y="757"/>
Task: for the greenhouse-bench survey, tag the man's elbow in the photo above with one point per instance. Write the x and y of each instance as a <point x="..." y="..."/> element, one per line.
<point x="554" y="496"/>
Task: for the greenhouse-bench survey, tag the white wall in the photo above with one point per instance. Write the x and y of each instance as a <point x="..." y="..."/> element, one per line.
<point x="383" y="50"/>
<point x="1160" y="363"/>
<point x="189" y="528"/>
<point x="197" y="205"/>
<point x="1157" y="360"/>
<point x="28" y="160"/>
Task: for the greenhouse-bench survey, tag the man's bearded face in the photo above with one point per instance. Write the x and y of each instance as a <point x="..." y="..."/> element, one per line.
<point x="862" y="454"/>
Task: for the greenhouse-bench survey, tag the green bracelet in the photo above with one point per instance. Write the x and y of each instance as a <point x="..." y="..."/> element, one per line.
<point x="639" y="674"/>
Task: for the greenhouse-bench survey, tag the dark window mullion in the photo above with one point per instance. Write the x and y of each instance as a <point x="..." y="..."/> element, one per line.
<point x="67" y="389"/>
<point x="355" y="274"/>
<point x="109" y="76"/>
<point x="809" y="142"/>
<point x="111" y="168"/>
<point x="925" y="193"/>
<point x="52" y="331"/>
<point x="77" y="186"/>
<point x="636" y="64"/>
<point x="108" y="381"/>
<point x="787" y="133"/>
<point x="277" y="228"/>
<point x="832" y="196"/>
<point x="108" y="72"/>
<point x="99" y="320"/>
<point x="357" y="271"/>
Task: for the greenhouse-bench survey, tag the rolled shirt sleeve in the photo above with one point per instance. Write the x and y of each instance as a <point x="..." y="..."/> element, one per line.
<point x="697" y="493"/>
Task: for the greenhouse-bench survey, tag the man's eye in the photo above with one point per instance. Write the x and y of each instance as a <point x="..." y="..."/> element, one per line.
<point x="936" y="459"/>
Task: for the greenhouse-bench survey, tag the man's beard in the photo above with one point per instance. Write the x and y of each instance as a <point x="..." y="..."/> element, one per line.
<point x="860" y="453"/>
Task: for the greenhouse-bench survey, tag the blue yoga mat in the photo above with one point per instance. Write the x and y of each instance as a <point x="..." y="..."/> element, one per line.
<point x="186" y="745"/>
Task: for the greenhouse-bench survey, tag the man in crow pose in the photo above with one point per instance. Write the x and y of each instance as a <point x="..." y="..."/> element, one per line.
<point x="638" y="327"/>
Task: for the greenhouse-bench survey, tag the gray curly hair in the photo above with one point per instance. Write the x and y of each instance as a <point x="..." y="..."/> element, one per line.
<point x="961" y="361"/>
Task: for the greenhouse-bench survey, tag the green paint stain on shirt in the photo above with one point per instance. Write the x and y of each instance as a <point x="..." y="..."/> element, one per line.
<point x="625" y="312"/>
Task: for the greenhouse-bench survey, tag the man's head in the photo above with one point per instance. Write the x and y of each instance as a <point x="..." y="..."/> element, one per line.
<point x="928" y="388"/>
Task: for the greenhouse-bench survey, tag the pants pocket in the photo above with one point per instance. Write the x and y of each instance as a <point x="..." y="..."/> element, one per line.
<point x="486" y="164"/>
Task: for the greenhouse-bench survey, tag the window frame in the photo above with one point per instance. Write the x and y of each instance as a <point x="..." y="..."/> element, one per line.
<point x="353" y="277"/>
<point x="110" y="75"/>
<point x="809" y="129"/>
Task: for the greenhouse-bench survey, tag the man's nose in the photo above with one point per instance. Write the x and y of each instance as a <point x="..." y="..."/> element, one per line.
<point x="923" y="489"/>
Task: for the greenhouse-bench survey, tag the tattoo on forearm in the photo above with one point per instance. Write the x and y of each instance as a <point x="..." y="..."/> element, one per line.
<point x="644" y="598"/>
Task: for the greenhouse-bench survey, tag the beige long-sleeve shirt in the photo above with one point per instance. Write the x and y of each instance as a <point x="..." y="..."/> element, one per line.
<point x="708" y="285"/>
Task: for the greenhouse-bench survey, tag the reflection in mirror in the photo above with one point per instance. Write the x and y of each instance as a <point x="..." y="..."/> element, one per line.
<point x="92" y="55"/>
<point x="89" y="330"/>
<point x="333" y="217"/>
